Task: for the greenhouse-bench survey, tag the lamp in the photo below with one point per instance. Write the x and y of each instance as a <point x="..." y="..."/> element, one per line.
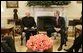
<point x="2" y="9"/>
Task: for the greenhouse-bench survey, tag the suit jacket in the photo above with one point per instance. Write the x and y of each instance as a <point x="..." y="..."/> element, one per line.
<point x="61" y="22"/>
<point x="8" y="45"/>
<point x="28" y="22"/>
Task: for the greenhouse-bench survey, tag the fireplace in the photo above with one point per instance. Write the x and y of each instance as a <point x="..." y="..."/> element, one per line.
<point x="43" y="22"/>
<point x="43" y="15"/>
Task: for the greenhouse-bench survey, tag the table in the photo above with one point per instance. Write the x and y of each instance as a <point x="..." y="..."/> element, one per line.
<point x="77" y="23"/>
<point x="78" y="30"/>
<point x="7" y="29"/>
<point x="14" y="21"/>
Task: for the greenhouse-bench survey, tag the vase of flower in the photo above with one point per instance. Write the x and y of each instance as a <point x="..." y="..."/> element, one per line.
<point x="39" y="43"/>
<point x="48" y="50"/>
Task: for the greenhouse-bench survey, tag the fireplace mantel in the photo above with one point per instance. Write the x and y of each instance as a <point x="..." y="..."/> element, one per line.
<point x="52" y="6"/>
<point x="48" y="11"/>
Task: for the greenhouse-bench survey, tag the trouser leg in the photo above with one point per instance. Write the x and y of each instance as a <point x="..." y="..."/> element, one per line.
<point x="27" y="35"/>
<point x="62" y="40"/>
<point x="49" y="31"/>
<point x="62" y="37"/>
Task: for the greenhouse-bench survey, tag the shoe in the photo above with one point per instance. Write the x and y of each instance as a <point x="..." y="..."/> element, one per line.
<point x="60" y="48"/>
<point x="65" y="45"/>
<point x="68" y="50"/>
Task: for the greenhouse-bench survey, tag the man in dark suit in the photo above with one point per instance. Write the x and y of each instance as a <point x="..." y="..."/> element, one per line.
<point x="59" y="26"/>
<point x="28" y="25"/>
<point x="7" y="44"/>
<point x="78" y="41"/>
<point x="76" y="45"/>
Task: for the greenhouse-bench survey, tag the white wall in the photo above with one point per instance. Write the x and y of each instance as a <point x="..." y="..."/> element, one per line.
<point x="73" y="11"/>
<point x="39" y="11"/>
<point x="8" y="12"/>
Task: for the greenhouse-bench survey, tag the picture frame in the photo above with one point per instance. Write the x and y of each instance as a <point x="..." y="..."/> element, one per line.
<point x="12" y="4"/>
<point x="79" y="1"/>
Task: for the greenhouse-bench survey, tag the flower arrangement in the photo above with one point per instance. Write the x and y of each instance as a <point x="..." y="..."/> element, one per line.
<point x="39" y="42"/>
<point x="47" y="3"/>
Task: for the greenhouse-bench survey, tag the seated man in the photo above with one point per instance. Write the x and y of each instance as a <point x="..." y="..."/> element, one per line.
<point x="7" y="44"/>
<point x="78" y="41"/>
<point x="28" y="25"/>
<point x="59" y="26"/>
<point x="77" y="44"/>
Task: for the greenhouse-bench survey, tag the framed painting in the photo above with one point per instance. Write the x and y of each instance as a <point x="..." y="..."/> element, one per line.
<point x="79" y="1"/>
<point x="12" y="4"/>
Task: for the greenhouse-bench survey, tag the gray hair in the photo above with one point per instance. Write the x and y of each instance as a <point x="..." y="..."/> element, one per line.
<point x="57" y="12"/>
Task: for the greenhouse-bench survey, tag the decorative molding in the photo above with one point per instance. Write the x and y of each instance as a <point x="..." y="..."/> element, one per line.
<point x="52" y="6"/>
<point x="47" y="3"/>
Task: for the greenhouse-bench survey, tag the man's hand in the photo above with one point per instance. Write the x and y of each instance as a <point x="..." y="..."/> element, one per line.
<point x="57" y="29"/>
<point x="34" y="27"/>
<point x="23" y="34"/>
<point x="25" y="28"/>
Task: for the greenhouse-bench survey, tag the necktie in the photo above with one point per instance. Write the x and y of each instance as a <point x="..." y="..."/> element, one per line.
<point x="57" y="21"/>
